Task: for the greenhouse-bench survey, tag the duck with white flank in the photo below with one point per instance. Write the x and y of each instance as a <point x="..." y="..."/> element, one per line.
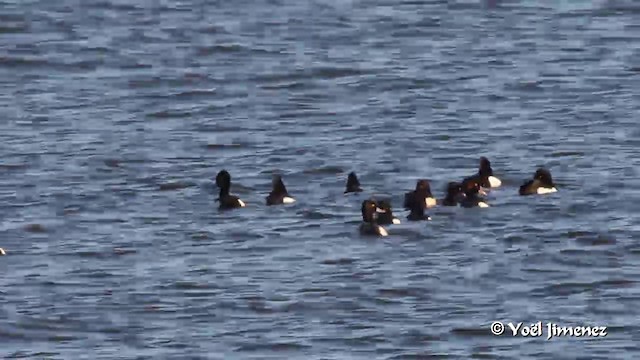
<point x="472" y="191"/>
<point x="485" y="175"/>
<point x="227" y="201"/>
<point x="422" y="193"/>
<point x="542" y="183"/>
<point x="279" y="194"/>
<point x="386" y="217"/>
<point x="369" y="226"/>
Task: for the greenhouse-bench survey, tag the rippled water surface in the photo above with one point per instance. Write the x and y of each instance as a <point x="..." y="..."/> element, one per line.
<point x="116" y="115"/>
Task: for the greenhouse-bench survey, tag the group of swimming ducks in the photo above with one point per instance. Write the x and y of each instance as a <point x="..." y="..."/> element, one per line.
<point x="467" y="193"/>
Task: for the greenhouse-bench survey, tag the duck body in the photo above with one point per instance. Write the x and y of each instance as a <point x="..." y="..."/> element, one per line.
<point x="417" y="214"/>
<point x="454" y="196"/>
<point x="474" y="201"/>
<point x="542" y="183"/>
<point x="386" y="217"/>
<point x="369" y="225"/>
<point x="372" y="229"/>
<point x="279" y="194"/>
<point x="226" y="200"/>
<point x="353" y="184"/>
<point x="485" y="176"/>
<point x="417" y="208"/>
<point x="422" y="194"/>
<point x="472" y="191"/>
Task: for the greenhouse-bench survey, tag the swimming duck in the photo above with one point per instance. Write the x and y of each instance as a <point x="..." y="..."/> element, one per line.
<point x="542" y="183"/>
<point x="424" y="196"/>
<point x="386" y="217"/>
<point x="353" y="184"/>
<point x="279" y="194"/>
<point x="369" y="226"/>
<point x="417" y="212"/>
<point x="2" y="252"/>
<point x="485" y="175"/>
<point x="472" y="191"/>
<point x="227" y="201"/>
<point x="454" y="194"/>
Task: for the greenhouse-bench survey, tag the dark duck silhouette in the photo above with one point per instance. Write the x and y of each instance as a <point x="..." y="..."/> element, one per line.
<point x="472" y="191"/>
<point x="485" y="175"/>
<point x="454" y="194"/>
<point x="279" y="194"/>
<point x="422" y="193"/>
<point x="386" y="217"/>
<point x="369" y="225"/>
<point x="226" y="200"/>
<point x="417" y="208"/>
<point x="353" y="184"/>
<point x="542" y="183"/>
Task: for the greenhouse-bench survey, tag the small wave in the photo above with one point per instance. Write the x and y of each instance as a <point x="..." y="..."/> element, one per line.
<point x="339" y="261"/>
<point x="279" y="347"/>
<point x="221" y="48"/>
<point x="37" y="355"/>
<point x="14" y="28"/>
<point x="224" y="146"/>
<point x="313" y="291"/>
<point x="113" y="163"/>
<point x="285" y="85"/>
<point x="525" y="86"/>
<point x="569" y="288"/>
<point x="176" y="185"/>
<point x="472" y="332"/>
<point x="124" y="251"/>
<point x="110" y="5"/>
<point x="331" y="170"/>
<point x="397" y="292"/>
<point x="170" y="114"/>
<point x="23" y="62"/>
<point x="35" y="228"/>
<point x="328" y="73"/>
<point x="597" y="240"/>
<point x="13" y="166"/>
<point x="316" y="215"/>
<point x="567" y="154"/>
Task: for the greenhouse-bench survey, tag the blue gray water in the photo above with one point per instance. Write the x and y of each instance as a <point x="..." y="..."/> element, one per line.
<point x="114" y="119"/>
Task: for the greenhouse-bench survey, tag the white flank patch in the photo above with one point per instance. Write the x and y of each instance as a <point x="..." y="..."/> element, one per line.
<point x="542" y="190"/>
<point x="381" y="211"/>
<point x="242" y="204"/>
<point x="396" y="221"/>
<point x="2" y="252"/>
<point x="483" y="204"/>
<point x="494" y="181"/>
<point x="430" y="202"/>
<point x="382" y="231"/>
<point x="288" y="200"/>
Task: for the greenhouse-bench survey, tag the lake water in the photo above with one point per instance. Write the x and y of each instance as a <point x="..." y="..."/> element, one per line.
<point x="115" y="118"/>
